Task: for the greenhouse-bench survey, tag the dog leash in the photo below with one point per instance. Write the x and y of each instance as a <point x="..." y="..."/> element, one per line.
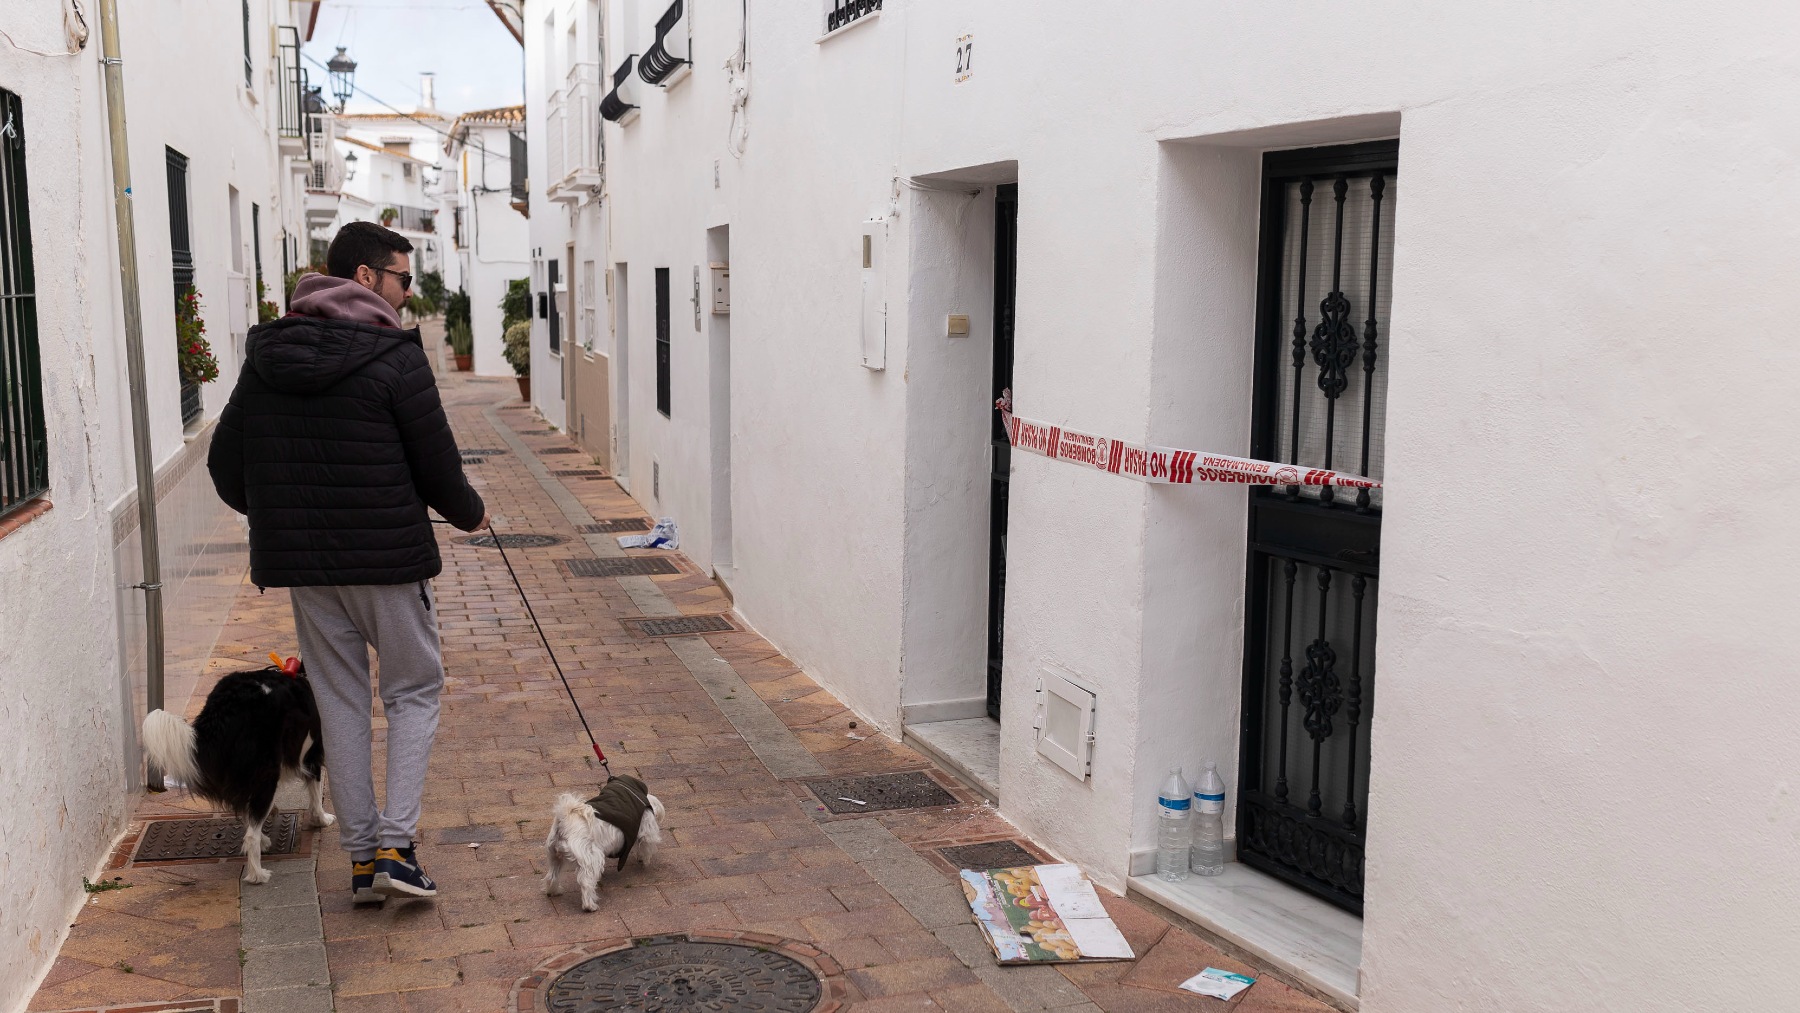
<point x="500" y="544"/>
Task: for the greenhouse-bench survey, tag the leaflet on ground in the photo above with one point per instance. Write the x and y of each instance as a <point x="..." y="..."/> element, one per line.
<point x="1042" y="914"/>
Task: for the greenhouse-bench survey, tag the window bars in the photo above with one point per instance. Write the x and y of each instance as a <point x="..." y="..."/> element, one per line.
<point x="844" y="12"/>
<point x="24" y="450"/>
<point x="618" y="102"/>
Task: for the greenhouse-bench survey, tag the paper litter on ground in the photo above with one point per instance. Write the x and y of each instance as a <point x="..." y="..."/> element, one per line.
<point x="663" y="536"/>
<point x="1042" y="914"/>
<point x="1217" y="983"/>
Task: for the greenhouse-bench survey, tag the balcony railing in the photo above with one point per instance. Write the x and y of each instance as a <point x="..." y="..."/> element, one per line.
<point x="670" y="51"/>
<point x="572" y="130"/>
<point x="295" y="125"/>
<point x="621" y="102"/>
<point x="411" y="219"/>
<point x="844" y="12"/>
<point x="325" y="174"/>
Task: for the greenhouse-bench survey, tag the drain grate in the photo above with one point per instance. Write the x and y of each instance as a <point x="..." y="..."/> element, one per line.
<point x="680" y="626"/>
<point x="474" y="460"/>
<point x="620" y="566"/>
<point x="579" y="473"/>
<point x="482" y="451"/>
<point x="560" y="450"/>
<point x="991" y="855"/>
<point x="616" y="524"/>
<point x="911" y="790"/>
<point x="675" y="973"/>
<point x="513" y="541"/>
<point x="213" y="837"/>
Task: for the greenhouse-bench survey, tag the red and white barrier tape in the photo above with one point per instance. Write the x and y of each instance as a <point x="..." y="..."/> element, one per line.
<point x="1163" y="465"/>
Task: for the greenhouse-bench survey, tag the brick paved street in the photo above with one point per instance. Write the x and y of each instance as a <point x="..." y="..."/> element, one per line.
<point x="867" y="900"/>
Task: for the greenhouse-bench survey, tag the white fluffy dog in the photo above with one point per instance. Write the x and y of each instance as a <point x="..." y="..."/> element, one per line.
<point x="580" y="836"/>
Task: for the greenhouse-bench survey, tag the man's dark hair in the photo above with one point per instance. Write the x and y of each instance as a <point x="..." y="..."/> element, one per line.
<point x="363" y="244"/>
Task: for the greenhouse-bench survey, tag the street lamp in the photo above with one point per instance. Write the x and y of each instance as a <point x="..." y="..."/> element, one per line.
<point x="350" y="166"/>
<point x="343" y="73"/>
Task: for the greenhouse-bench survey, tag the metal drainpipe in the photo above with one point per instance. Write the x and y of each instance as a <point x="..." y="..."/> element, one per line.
<point x="134" y="364"/>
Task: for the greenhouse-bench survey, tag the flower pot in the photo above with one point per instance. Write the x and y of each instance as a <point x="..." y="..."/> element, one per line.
<point x="525" y="389"/>
<point x="464" y="363"/>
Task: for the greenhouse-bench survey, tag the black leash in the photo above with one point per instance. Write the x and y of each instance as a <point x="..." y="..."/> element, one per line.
<point x="501" y="545"/>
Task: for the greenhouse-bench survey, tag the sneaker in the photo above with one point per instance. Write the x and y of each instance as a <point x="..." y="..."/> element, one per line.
<point x="397" y="874"/>
<point x="362" y="884"/>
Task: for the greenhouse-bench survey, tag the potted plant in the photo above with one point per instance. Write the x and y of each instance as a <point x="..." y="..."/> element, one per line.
<point x="266" y="308"/>
<point x="462" y="346"/>
<point x="518" y="356"/>
<point x="193" y="352"/>
<point x="387" y="217"/>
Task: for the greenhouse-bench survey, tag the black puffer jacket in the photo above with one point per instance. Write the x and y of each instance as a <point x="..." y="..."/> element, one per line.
<point x="334" y="444"/>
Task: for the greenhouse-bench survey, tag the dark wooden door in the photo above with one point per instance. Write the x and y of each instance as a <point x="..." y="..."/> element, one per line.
<point x="1006" y="248"/>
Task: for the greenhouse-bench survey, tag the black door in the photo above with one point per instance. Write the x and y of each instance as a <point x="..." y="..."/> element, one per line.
<point x="663" y="385"/>
<point x="1006" y="248"/>
<point x="181" y="258"/>
<point x="1314" y="554"/>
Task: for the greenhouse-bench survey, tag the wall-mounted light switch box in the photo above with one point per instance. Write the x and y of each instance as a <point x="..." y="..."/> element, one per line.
<point x="959" y="325"/>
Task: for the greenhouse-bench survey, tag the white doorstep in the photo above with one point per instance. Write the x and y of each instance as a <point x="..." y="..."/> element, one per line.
<point x="970" y="747"/>
<point x="1295" y="932"/>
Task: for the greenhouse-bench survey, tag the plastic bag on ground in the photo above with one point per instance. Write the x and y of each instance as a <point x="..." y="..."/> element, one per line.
<point x="663" y="536"/>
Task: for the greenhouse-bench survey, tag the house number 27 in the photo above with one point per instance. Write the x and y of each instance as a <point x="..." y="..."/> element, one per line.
<point x="965" y="58"/>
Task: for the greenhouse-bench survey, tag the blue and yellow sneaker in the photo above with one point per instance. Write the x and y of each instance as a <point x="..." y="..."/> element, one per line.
<point x="362" y="883"/>
<point x="397" y="874"/>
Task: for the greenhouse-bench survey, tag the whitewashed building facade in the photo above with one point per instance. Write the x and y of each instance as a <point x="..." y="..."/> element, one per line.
<point x="489" y="238"/>
<point x="1507" y="734"/>
<point x="220" y="155"/>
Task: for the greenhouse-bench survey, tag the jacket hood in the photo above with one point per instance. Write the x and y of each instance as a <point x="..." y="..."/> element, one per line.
<point x="305" y="355"/>
<point x="321" y="295"/>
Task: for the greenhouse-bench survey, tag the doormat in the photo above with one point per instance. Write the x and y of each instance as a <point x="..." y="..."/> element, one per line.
<point x="679" y="626"/>
<point x="909" y="790"/>
<point x="213" y="837"/>
<point x="990" y="855"/>
<point x="580" y="473"/>
<point x="616" y="524"/>
<point x="620" y="566"/>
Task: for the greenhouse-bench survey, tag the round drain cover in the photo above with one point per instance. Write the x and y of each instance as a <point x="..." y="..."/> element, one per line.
<point x="674" y="975"/>
<point x="514" y="541"/>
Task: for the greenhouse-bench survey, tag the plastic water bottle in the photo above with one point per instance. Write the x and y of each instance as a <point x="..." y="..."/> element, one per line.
<point x="1208" y="857"/>
<point x="1173" y="828"/>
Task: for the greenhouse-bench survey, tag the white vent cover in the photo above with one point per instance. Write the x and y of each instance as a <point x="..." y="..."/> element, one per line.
<point x="1065" y="726"/>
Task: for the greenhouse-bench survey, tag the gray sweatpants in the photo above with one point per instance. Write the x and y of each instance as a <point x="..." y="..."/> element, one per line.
<point x="337" y="626"/>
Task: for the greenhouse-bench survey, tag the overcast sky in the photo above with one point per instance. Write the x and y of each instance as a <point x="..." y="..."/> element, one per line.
<point x="393" y="41"/>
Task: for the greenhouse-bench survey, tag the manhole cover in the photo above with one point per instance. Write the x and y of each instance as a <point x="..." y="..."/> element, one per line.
<point x="168" y="840"/>
<point x="669" y="974"/>
<point x="681" y="626"/>
<point x="580" y="473"/>
<point x="560" y="450"/>
<point x="911" y="790"/>
<point x="620" y="566"/>
<point x="513" y="541"/>
<point x="992" y="855"/>
<point x="616" y="524"/>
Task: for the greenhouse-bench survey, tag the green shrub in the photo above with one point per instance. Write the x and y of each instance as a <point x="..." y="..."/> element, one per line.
<point x="517" y="304"/>
<point x="518" y="347"/>
<point x="456" y="308"/>
<point x="462" y="339"/>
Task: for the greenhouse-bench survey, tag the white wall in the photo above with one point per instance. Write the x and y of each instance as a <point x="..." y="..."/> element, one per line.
<point x="1594" y="238"/>
<point x="70" y="690"/>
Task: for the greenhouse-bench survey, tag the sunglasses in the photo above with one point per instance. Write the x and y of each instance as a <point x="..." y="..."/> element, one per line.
<point x="404" y="276"/>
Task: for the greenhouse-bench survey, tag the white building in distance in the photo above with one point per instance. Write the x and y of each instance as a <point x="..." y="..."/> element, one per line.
<point x="489" y="236"/>
<point x="1508" y="733"/>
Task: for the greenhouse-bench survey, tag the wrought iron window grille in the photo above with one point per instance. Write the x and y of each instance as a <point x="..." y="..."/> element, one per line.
<point x="669" y="53"/>
<point x="24" y="447"/>
<point x="619" y="103"/>
<point x="845" y="12"/>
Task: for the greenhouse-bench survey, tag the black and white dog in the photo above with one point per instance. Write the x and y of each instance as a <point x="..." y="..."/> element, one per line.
<point x="256" y="728"/>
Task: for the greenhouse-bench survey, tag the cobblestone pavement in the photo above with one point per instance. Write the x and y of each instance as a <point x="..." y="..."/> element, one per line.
<point x="709" y="723"/>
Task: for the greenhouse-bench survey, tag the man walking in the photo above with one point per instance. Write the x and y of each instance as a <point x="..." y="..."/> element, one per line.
<point x="335" y="444"/>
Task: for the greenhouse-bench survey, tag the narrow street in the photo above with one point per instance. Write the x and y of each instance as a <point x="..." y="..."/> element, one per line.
<point x="724" y="729"/>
